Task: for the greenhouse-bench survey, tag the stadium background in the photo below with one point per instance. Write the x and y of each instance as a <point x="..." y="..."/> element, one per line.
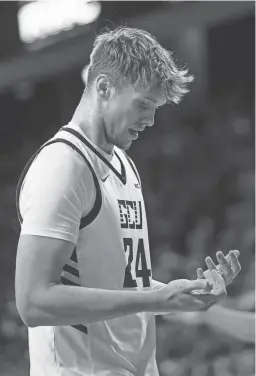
<point x="196" y="163"/>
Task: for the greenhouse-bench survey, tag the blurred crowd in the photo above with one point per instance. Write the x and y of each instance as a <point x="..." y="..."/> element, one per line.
<point x="197" y="174"/>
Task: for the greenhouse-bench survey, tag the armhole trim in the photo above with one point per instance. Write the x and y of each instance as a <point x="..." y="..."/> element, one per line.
<point x="85" y="221"/>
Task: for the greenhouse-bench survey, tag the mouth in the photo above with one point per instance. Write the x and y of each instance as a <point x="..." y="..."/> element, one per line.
<point x="133" y="133"/>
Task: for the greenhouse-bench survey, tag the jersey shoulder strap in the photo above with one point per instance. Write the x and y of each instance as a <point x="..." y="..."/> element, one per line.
<point x="85" y="221"/>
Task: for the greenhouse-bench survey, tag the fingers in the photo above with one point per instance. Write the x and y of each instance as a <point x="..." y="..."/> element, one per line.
<point x="224" y="267"/>
<point x="200" y="273"/>
<point x="209" y="262"/>
<point x="228" y="267"/>
<point x="235" y="264"/>
<point x="235" y="251"/>
<point x="224" y="262"/>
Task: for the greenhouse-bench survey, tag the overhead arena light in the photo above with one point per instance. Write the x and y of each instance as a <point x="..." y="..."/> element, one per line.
<point x="41" y="19"/>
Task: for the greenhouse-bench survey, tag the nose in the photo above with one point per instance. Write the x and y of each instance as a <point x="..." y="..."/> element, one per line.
<point x="148" y="118"/>
<point x="149" y="121"/>
<point x="151" y="118"/>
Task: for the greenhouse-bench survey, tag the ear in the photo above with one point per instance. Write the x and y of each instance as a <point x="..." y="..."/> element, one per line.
<point x="104" y="86"/>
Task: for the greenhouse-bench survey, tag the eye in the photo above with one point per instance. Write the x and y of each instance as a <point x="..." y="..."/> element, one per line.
<point x="144" y="103"/>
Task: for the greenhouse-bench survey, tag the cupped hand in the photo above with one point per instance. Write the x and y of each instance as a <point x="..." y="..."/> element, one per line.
<point x="229" y="267"/>
<point x="190" y="296"/>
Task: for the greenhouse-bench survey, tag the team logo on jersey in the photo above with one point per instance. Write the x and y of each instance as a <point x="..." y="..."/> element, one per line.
<point x="130" y="214"/>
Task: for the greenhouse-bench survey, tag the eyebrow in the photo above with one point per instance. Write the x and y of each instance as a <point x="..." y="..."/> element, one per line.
<point x="150" y="99"/>
<point x="154" y="101"/>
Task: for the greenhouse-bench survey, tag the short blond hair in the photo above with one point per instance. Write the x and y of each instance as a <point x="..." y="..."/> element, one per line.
<point x="133" y="56"/>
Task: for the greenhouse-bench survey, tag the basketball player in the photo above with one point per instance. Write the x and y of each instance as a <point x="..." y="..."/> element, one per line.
<point x="83" y="274"/>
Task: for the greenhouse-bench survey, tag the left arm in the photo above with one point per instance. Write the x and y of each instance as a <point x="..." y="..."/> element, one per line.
<point x="157" y="285"/>
<point x="228" y="267"/>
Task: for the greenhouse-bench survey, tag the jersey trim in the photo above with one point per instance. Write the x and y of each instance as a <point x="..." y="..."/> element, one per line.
<point x="121" y="176"/>
<point x="81" y="328"/>
<point x="66" y="281"/>
<point x="74" y="255"/>
<point x="133" y="167"/>
<point x="71" y="270"/>
<point x="85" y="221"/>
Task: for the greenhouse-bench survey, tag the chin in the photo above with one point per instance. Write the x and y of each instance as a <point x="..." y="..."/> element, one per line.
<point x="126" y="147"/>
<point x="122" y="145"/>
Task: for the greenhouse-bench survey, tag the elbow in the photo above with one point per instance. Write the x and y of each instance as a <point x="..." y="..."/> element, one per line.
<point x="26" y="316"/>
<point x="34" y="308"/>
<point x="26" y="312"/>
<point x="29" y="322"/>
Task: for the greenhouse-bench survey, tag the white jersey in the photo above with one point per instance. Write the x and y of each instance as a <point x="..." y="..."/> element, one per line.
<point x="112" y="252"/>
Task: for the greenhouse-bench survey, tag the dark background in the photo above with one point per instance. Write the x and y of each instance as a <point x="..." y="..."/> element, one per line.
<point x="196" y="163"/>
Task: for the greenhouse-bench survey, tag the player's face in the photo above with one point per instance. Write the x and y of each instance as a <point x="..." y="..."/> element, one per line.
<point x="128" y="112"/>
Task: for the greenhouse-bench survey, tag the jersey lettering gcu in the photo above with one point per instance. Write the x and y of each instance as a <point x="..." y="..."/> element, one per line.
<point x="112" y="252"/>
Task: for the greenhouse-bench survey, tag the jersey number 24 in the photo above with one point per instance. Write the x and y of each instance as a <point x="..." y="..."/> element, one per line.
<point x="144" y="272"/>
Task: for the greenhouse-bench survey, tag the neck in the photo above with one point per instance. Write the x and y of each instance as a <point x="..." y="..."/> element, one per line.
<point x="87" y="117"/>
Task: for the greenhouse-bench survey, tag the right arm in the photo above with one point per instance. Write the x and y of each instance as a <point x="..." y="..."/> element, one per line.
<point x="42" y="300"/>
<point x="57" y="192"/>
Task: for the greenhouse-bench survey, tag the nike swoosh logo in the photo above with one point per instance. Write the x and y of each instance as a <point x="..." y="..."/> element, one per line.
<point x="104" y="178"/>
<point x="136" y="185"/>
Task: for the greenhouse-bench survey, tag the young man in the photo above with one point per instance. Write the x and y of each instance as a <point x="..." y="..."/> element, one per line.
<point x="83" y="274"/>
